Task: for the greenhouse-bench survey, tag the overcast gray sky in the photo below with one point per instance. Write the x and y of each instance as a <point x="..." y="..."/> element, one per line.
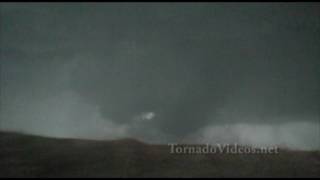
<point x="247" y="72"/>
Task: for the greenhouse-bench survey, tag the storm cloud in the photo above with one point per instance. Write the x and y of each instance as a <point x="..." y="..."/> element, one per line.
<point x="162" y="71"/>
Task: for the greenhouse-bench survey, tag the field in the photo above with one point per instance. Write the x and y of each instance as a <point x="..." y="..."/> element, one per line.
<point x="34" y="156"/>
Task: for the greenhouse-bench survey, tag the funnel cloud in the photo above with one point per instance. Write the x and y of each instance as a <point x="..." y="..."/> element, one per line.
<point x="163" y="72"/>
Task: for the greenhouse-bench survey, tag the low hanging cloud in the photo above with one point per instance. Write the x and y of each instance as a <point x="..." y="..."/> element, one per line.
<point x="63" y="115"/>
<point x="162" y="73"/>
<point x="294" y="135"/>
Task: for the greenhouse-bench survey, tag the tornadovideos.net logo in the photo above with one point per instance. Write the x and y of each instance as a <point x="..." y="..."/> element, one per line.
<point x="220" y="149"/>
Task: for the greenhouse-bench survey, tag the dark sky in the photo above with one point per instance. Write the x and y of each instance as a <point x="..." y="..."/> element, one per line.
<point x="161" y="71"/>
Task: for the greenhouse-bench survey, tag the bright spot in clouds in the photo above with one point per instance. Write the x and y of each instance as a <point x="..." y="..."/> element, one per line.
<point x="148" y="115"/>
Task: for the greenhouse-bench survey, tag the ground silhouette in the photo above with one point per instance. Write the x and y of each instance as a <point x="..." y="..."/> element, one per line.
<point x="34" y="156"/>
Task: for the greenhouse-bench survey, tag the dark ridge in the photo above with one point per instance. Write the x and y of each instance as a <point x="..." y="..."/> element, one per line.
<point x="12" y="134"/>
<point x="24" y="155"/>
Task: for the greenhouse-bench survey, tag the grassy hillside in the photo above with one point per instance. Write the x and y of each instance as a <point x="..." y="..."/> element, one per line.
<point x="33" y="156"/>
